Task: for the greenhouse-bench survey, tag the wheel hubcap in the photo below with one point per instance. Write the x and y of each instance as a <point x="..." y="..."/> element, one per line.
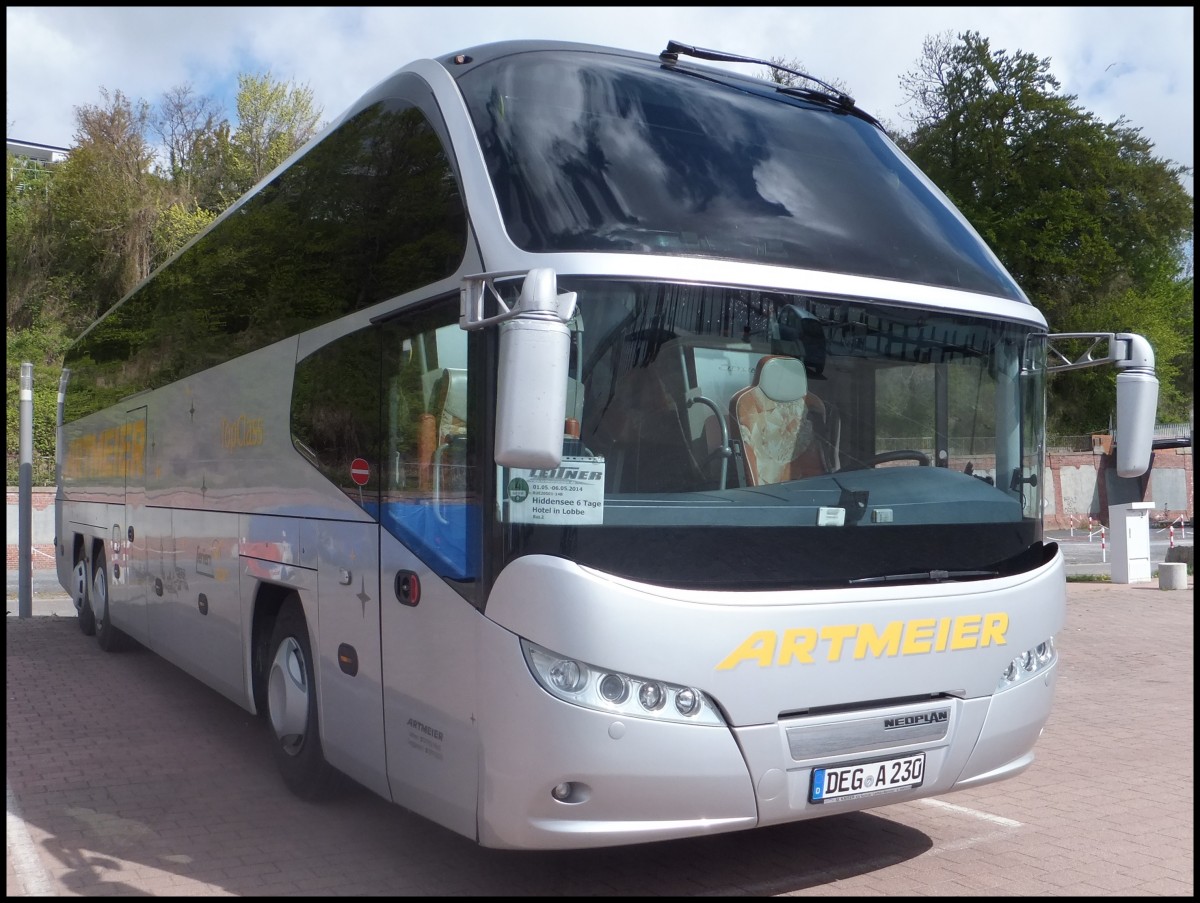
<point x="100" y="599"/>
<point x="287" y="696"/>
<point x="79" y="584"/>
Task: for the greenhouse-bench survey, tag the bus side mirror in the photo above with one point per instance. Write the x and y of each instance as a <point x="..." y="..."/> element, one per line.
<point x="1137" y="403"/>
<point x="535" y="354"/>
<point x="531" y="393"/>
<point x="1137" y="388"/>
<point x="1137" y="406"/>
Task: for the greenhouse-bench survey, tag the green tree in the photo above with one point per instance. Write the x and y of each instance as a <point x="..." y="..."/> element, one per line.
<point x="274" y="120"/>
<point x="106" y="200"/>
<point x="792" y="73"/>
<point x="82" y="233"/>
<point x="1081" y="212"/>
<point x="28" y="254"/>
<point x="185" y="123"/>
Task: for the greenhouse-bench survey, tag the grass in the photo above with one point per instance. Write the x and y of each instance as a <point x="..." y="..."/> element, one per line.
<point x="1105" y="578"/>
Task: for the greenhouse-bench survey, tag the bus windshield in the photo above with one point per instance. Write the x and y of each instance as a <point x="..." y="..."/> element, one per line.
<point x="596" y="152"/>
<point x="720" y="436"/>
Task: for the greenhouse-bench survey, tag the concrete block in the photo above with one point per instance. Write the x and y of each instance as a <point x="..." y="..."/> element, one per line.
<point x="1172" y="575"/>
<point x="1180" y="553"/>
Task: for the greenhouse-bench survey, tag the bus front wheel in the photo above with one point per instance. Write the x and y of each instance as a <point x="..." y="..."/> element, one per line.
<point x="292" y="706"/>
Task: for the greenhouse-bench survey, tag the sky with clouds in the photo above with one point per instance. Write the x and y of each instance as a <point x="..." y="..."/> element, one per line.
<point x="1131" y="62"/>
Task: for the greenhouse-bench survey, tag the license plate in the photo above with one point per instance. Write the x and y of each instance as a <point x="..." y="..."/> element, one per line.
<point x="862" y="778"/>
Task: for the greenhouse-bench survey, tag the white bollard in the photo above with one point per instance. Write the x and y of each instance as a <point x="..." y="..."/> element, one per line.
<point x="1172" y="575"/>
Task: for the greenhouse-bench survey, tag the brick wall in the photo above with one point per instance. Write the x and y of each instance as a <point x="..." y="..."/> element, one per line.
<point x="42" y="523"/>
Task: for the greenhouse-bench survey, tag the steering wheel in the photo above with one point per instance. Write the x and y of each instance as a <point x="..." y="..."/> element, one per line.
<point x="899" y="454"/>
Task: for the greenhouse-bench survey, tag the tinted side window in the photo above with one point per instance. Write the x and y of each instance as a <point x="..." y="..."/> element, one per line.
<point x="370" y="212"/>
<point x="430" y="483"/>
<point x="397" y="396"/>
<point x="335" y="412"/>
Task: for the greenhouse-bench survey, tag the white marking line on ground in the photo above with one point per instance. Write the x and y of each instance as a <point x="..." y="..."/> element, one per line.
<point x="23" y="853"/>
<point x="866" y="865"/>
<point x="974" y="813"/>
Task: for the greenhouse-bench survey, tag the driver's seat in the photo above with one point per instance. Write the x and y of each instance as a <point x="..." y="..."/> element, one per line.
<point x="777" y="420"/>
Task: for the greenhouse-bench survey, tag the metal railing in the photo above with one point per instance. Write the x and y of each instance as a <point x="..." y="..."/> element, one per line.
<point x="43" y="469"/>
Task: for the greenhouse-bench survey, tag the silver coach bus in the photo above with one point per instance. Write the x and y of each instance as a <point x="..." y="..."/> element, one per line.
<point x="579" y="448"/>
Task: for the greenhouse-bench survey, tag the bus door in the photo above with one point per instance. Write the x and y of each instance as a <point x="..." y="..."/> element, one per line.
<point x="128" y="573"/>
<point x="429" y="514"/>
<point x="394" y="635"/>
<point x="334" y="422"/>
<point x="348" y="640"/>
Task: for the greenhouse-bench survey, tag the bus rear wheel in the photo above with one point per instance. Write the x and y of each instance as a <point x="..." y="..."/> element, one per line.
<point x="110" y="638"/>
<point x="292" y="707"/>
<point x="82" y="598"/>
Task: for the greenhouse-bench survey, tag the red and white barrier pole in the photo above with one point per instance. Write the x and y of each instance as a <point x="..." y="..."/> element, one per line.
<point x="1103" y="548"/>
<point x="1171" y="535"/>
<point x="1089" y="528"/>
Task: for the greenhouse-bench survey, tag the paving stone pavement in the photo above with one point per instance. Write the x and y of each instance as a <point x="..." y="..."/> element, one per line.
<point x="125" y="776"/>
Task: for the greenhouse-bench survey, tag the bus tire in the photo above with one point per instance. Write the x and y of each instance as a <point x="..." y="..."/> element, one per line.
<point x="82" y="598"/>
<point x="292" y="707"/>
<point x="110" y="638"/>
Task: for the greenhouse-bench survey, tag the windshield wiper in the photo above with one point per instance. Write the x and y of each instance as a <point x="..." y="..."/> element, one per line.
<point x="830" y="95"/>
<point x="926" y="576"/>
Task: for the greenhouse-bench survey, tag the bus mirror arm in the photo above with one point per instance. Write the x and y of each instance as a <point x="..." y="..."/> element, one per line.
<point x="1137" y="390"/>
<point x="533" y="367"/>
<point x="539" y="299"/>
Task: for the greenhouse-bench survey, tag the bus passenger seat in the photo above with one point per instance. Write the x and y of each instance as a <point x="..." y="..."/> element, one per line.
<point x="778" y="419"/>
<point x="644" y="435"/>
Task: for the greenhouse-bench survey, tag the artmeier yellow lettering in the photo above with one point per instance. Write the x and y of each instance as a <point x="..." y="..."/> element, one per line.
<point x="759" y="647"/>
<point x="916" y="637"/>
<point x="878" y="644"/>
<point x="837" y="634"/>
<point x="919" y="636"/>
<point x="995" y="625"/>
<point x="943" y="634"/>
<point x="113" y="453"/>
<point x="798" y="644"/>
<point x="966" y="632"/>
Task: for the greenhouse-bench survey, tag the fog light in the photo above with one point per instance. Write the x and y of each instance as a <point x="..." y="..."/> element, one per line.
<point x="561" y="792"/>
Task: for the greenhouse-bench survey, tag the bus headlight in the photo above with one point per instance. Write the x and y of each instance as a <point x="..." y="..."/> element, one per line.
<point x="1027" y="664"/>
<point x="618" y="693"/>
<point x="567" y="676"/>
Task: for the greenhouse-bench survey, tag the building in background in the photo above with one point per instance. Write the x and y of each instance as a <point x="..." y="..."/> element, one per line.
<point x="38" y="153"/>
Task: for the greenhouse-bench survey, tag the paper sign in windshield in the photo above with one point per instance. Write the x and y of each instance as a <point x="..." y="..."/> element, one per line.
<point x="572" y="493"/>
